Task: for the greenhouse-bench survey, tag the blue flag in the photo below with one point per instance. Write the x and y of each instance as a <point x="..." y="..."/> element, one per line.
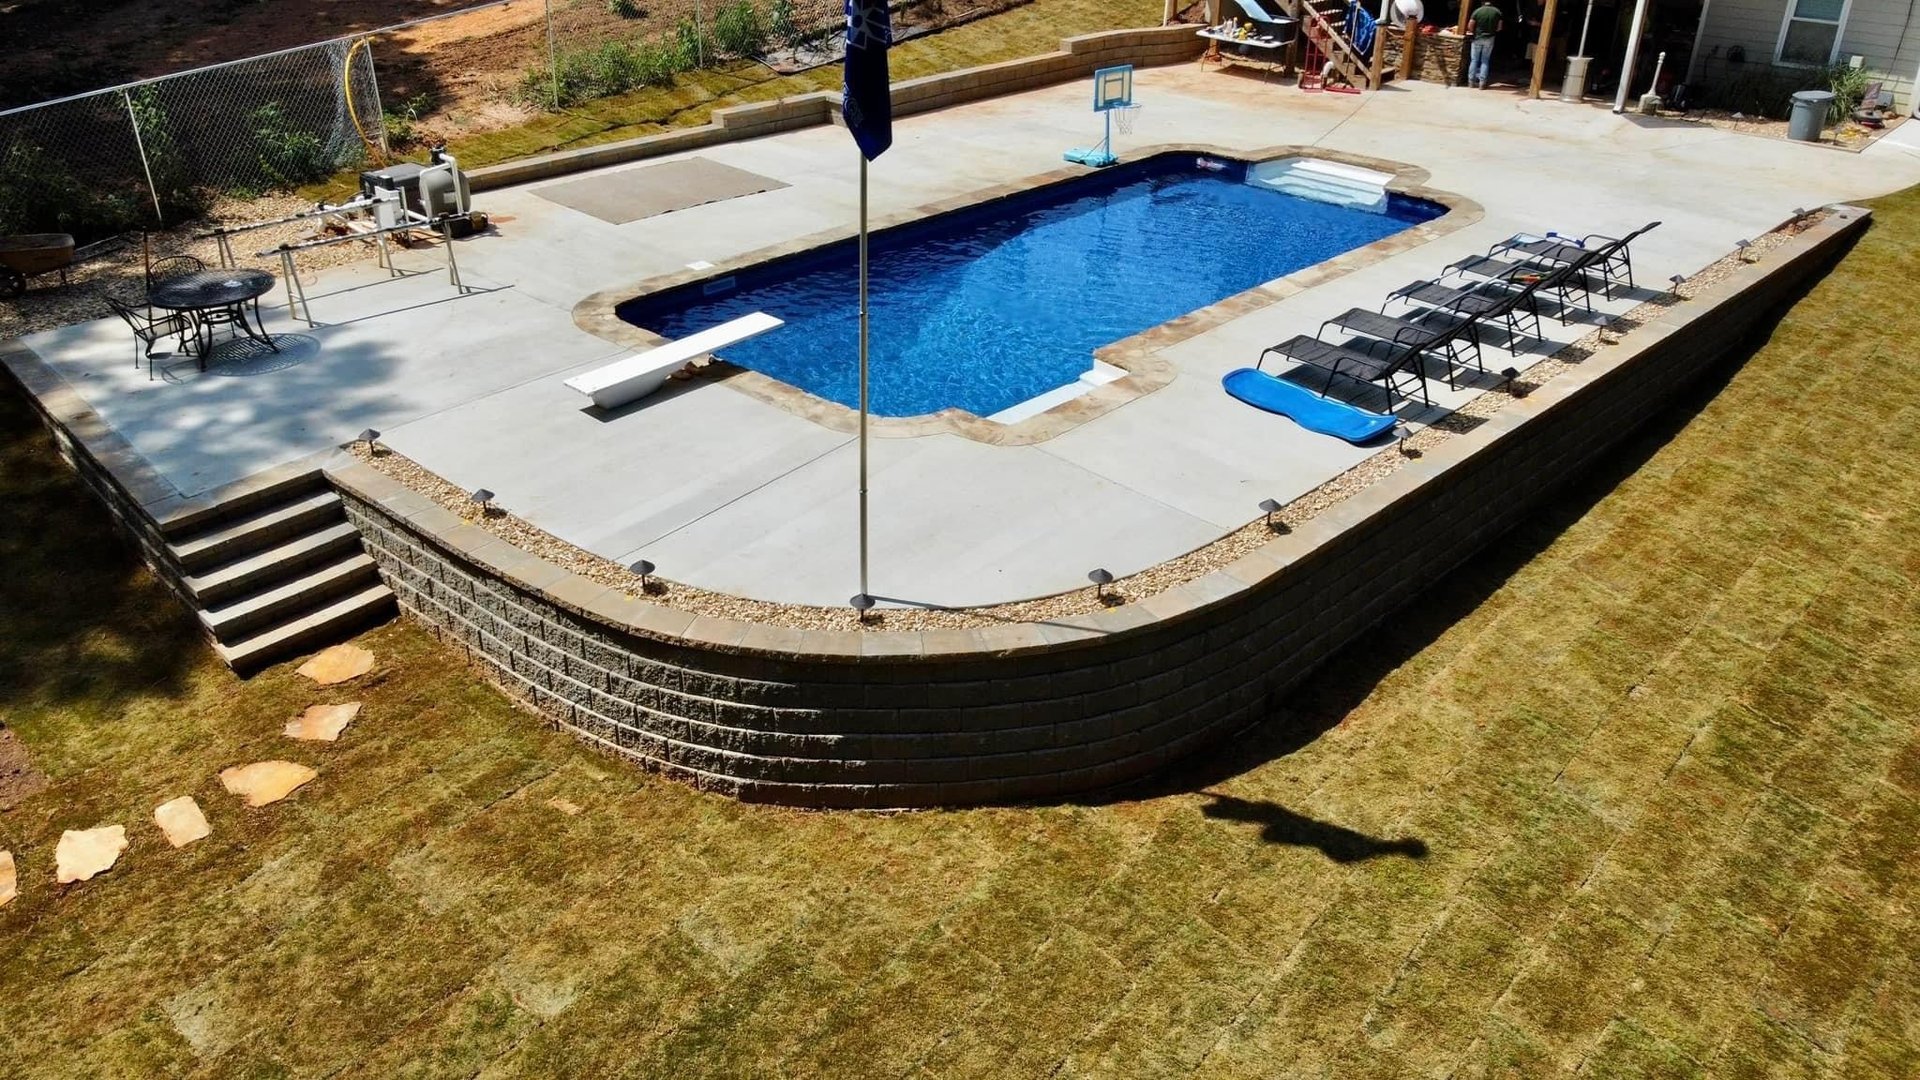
<point x="867" y="99"/>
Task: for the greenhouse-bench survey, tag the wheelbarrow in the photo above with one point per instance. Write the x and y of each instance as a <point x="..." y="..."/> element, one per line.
<point x="30" y="255"/>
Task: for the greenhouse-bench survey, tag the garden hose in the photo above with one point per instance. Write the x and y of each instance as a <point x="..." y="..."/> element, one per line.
<point x="376" y="150"/>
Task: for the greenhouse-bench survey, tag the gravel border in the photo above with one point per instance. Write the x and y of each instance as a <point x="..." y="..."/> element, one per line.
<point x="1137" y="587"/>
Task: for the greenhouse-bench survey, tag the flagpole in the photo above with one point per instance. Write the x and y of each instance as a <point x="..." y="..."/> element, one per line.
<point x="863" y="375"/>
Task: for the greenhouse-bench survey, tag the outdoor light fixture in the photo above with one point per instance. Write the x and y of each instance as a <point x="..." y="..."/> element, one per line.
<point x="1746" y="253"/>
<point x="1678" y="280"/>
<point x="1404" y="432"/>
<point x="862" y="603"/>
<point x="644" y="569"/>
<point x="1101" y="578"/>
<point x="369" y="437"/>
<point x="1510" y="374"/>
<point x="1269" y="507"/>
<point x="483" y="499"/>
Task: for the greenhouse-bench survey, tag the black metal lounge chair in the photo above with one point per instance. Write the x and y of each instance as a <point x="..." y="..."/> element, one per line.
<point x="1394" y="365"/>
<point x="1459" y="346"/>
<point x="1616" y="267"/>
<point x="1512" y="301"/>
<point x="1565" y="288"/>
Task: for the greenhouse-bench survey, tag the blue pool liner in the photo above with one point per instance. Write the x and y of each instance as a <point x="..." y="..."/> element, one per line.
<point x="1306" y="408"/>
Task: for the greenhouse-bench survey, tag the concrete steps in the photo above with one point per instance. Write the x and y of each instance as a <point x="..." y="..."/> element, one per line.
<point x="277" y="572"/>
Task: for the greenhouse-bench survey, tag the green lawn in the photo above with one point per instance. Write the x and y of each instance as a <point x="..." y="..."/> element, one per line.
<point x="1637" y="794"/>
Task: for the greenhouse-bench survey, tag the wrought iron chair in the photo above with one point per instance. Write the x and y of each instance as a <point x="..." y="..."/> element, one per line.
<point x="148" y="330"/>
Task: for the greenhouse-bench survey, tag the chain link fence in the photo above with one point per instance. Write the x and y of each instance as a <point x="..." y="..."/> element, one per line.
<point x="155" y="153"/>
<point x="151" y="153"/>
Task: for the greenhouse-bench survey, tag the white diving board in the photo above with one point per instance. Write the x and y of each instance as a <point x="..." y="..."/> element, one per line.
<point x="633" y="377"/>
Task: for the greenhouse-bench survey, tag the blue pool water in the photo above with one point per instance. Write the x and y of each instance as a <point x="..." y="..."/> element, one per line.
<point x="983" y="308"/>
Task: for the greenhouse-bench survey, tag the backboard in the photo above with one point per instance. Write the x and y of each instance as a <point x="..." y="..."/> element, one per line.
<point x="1113" y="88"/>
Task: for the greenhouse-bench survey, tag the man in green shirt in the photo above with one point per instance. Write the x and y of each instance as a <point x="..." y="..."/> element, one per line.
<point x="1485" y="22"/>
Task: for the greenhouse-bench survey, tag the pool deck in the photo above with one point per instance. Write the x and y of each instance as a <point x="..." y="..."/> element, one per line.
<point x="725" y="491"/>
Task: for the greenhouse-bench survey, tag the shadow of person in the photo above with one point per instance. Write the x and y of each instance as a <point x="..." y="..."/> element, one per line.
<point x="1279" y="825"/>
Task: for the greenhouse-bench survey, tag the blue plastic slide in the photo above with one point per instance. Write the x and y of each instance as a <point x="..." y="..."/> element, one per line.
<point x="1306" y="408"/>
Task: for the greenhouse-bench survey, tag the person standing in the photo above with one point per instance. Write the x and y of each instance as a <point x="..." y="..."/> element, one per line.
<point x="1486" y="23"/>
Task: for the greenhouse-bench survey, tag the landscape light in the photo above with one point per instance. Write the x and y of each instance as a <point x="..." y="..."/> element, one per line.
<point x="482" y="498"/>
<point x="1678" y="280"/>
<point x="1511" y="374"/>
<point x="862" y="603"/>
<point x="644" y="569"/>
<point x="1405" y="433"/>
<point x="1101" y="578"/>
<point x="1269" y="507"/>
<point x="369" y="437"/>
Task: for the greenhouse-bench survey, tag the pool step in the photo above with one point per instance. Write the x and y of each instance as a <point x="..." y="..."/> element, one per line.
<point x="1100" y="374"/>
<point x="277" y="573"/>
<point x="1324" y="181"/>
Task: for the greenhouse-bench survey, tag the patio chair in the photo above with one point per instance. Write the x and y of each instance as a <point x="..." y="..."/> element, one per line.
<point x="169" y="266"/>
<point x="1394" y="365"/>
<point x="1460" y="330"/>
<point x="148" y="331"/>
<point x="1564" y="287"/>
<point x="172" y="266"/>
<point x="1512" y="303"/>
<point x="1616" y="267"/>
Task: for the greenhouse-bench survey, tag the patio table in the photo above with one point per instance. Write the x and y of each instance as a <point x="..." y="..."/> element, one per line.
<point x="210" y="297"/>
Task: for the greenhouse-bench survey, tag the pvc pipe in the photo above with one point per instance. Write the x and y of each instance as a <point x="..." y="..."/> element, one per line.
<point x="1633" y="49"/>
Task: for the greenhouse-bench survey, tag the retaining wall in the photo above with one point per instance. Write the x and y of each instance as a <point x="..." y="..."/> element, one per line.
<point x="1036" y="710"/>
<point x="1076" y="58"/>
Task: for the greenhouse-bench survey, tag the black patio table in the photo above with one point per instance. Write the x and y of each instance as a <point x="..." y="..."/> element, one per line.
<point x="211" y="297"/>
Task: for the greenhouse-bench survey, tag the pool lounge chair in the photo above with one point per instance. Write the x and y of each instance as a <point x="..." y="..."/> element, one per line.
<point x="1512" y="301"/>
<point x="1459" y="347"/>
<point x="1616" y="267"/>
<point x="1566" y="288"/>
<point x="1395" y="365"/>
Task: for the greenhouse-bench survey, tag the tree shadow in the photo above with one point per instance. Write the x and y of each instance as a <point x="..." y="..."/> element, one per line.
<point x="1279" y="825"/>
<point x="81" y="620"/>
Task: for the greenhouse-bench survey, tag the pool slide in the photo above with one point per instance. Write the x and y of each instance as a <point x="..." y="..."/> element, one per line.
<point x="1306" y="408"/>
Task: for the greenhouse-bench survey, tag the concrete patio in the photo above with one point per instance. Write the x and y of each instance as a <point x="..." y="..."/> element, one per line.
<point x="724" y="491"/>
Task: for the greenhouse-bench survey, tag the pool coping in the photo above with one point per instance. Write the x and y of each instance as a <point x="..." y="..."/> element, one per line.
<point x="1138" y="355"/>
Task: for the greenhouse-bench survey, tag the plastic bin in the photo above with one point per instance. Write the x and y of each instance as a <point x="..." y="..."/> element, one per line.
<point x="1809" y="119"/>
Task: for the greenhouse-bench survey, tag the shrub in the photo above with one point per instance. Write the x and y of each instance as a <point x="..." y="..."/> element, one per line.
<point x="39" y="193"/>
<point x="286" y="154"/>
<point x="1849" y="86"/>
<point x="738" y="29"/>
<point x="695" y="47"/>
<point x="399" y="122"/>
<point x="626" y="9"/>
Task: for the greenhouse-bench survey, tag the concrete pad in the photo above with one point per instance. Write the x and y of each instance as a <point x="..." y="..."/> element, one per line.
<point x="9" y="879"/>
<point x="728" y="493"/>
<point x="84" y="853"/>
<point x="322" y="723"/>
<point x="182" y="821"/>
<point x="337" y="664"/>
<point x="265" y="782"/>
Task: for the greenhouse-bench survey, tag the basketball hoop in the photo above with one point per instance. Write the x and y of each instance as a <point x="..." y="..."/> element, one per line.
<point x="1113" y="100"/>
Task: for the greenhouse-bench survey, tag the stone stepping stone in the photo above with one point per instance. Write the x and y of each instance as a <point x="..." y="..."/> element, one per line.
<point x="82" y="853"/>
<point x="9" y="879"/>
<point x="570" y="809"/>
<point x="181" y="820"/>
<point x="265" y="782"/>
<point x="322" y="723"/>
<point x="337" y="664"/>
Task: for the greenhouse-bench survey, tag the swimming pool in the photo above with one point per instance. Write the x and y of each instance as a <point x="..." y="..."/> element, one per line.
<point x="983" y="308"/>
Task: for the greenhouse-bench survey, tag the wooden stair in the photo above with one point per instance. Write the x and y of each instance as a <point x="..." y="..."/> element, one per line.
<point x="276" y="571"/>
<point x="1323" y="32"/>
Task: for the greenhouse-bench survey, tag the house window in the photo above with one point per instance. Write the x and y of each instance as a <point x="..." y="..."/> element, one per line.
<point x="1810" y="33"/>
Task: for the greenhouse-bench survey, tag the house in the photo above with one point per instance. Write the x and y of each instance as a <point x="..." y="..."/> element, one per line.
<point x="1788" y="39"/>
